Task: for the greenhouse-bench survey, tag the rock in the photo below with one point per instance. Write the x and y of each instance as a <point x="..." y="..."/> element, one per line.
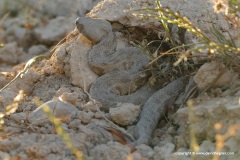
<point x="125" y="114"/>
<point x="99" y="115"/>
<point x="6" y="98"/>
<point x="145" y="151"/>
<point x="4" y="155"/>
<point x="62" y="90"/>
<point x="206" y="146"/>
<point x="57" y="62"/>
<point x="118" y="11"/>
<point x="82" y="96"/>
<point x="37" y="49"/>
<point x="95" y="134"/>
<point x="80" y="72"/>
<point x="111" y="150"/>
<point x="26" y="82"/>
<point x="231" y="145"/>
<point x="182" y="153"/>
<point x="207" y="113"/>
<point x="61" y="110"/>
<point x="162" y="153"/>
<point x="69" y="98"/>
<point x="19" y="29"/>
<point x="33" y="51"/>
<point x="162" y="137"/>
<point x="14" y="30"/>
<point x="85" y="117"/>
<point x="3" y="80"/>
<point x="66" y="8"/>
<point x="53" y="31"/>
<point x="7" y="146"/>
<point x="74" y="123"/>
<point x="12" y="130"/>
<point x="90" y="106"/>
<point x="48" y="85"/>
<point x="208" y="75"/>
<point x="10" y="53"/>
<point x="49" y="146"/>
<point x="60" y="54"/>
<point x="49" y="8"/>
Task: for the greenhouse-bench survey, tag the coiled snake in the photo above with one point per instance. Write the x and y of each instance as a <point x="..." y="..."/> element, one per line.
<point x="122" y="78"/>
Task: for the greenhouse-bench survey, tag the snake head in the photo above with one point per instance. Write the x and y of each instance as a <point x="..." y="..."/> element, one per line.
<point x="93" y="29"/>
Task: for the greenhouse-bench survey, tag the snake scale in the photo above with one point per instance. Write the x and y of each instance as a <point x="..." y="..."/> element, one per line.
<point x="122" y="77"/>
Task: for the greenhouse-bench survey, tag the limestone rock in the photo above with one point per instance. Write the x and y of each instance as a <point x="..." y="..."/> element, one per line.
<point x="80" y="72"/>
<point x="118" y="10"/>
<point x="207" y="113"/>
<point x="14" y="30"/>
<point x="62" y="110"/>
<point x="53" y="31"/>
<point x="49" y="8"/>
<point x="26" y="82"/>
<point x="49" y="146"/>
<point x="125" y="114"/>
<point x="4" y="155"/>
<point x="206" y="146"/>
<point x="66" y="8"/>
<point x="208" y="75"/>
<point x="164" y="152"/>
<point x="3" y="80"/>
<point x="37" y="49"/>
<point x="111" y="150"/>
<point x="10" y="53"/>
<point x="145" y="151"/>
<point x="6" y="98"/>
<point x="69" y="97"/>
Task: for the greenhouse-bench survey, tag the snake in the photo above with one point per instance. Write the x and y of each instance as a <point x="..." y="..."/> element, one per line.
<point x="123" y="79"/>
<point x="122" y="76"/>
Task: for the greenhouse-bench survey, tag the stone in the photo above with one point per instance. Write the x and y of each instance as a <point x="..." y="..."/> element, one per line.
<point x="118" y="11"/>
<point x="145" y="151"/>
<point x="80" y="72"/>
<point x="37" y="49"/>
<point x="163" y="152"/>
<point x="125" y="113"/>
<point x="10" y="53"/>
<point x="53" y="31"/>
<point x="49" y="8"/>
<point x="61" y="110"/>
<point x="111" y="150"/>
<point x="69" y="97"/>
<point x="208" y="75"/>
<point x="6" y="98"/>
<point x="207" y="113"/>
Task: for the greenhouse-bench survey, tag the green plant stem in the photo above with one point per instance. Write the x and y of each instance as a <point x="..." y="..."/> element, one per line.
<point x="57" y="124"/>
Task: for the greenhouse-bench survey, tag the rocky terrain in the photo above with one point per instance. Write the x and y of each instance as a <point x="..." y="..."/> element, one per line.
<point x="64" y="76"/>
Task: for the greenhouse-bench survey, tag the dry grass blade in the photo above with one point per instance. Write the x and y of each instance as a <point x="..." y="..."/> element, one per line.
<point x="56" y="122"/>
<point x="226" y="47"/>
